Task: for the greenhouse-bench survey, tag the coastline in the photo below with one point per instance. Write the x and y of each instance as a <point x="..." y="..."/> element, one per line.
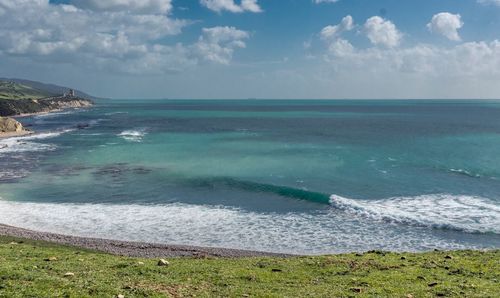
<point x="24" y="115"/>
<point x="133" y="249"/>
<point x="81" y="103"/>
<point x="6" y="135"/>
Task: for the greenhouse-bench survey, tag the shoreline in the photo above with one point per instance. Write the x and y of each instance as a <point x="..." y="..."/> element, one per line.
<point x="6" y="135"/>
<point x="24" y="115"/>
<point x="134" y="249"/>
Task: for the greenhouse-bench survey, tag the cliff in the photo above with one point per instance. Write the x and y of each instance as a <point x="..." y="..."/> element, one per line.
<point x="10" y="125"/>
<point x="10" y="128"/>
<point x="41" y="90"/>
<point x="31" y="106"/>
<point x="18" y="99"/>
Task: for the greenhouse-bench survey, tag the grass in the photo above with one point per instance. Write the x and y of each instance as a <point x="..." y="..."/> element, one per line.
<point x="28" y="269"/>
<point x="11" y="90"/>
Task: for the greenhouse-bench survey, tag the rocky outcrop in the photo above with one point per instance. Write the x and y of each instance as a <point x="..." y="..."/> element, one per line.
<point x="9" y="125"/>
<point x="11" y="128"/>
<point x="13" y="107"/>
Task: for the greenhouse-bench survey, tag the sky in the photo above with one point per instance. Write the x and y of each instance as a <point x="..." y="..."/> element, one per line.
<point x="269" y="49"/>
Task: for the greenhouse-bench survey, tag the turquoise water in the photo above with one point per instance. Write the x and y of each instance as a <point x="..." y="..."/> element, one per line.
<point x="291" y="176"/>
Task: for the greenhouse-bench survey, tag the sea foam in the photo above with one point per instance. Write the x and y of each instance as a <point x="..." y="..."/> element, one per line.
<point x="133" y="135"/>
<point x="26" y="144"/>
<point x="457" y="212"/>
<point x="328" y="231"/>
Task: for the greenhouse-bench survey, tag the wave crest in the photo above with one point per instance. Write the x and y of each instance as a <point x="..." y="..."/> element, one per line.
<point x="26" y="144"/>
<point x="133" y="135"/>
<point x="463" y="213"/>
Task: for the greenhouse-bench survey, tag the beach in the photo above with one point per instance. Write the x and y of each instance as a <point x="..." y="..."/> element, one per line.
<point x="132" y="249"/>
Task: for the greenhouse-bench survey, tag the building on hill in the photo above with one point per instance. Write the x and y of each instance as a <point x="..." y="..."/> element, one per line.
<point x="70" y="93"/>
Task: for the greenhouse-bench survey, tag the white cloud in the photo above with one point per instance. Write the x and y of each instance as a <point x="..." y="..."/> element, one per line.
<point x="382" y="32"/>
<point x="446" y="24"/>
<point x="332" y="36"/>
<point x="138" y="6"/>
<point x="230" y="5"/>
<point x="489" y="2"/>
<point x="341" y="48"/>
<point x="331" y="32"/>
<point x="471" y="59"/>
<point x="217" y="44"/>
<point x="250" y="5"/>
<point x="119" y="41"/>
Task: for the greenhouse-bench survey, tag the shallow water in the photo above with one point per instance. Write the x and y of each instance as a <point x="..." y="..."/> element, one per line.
<point x="287" y="176"/>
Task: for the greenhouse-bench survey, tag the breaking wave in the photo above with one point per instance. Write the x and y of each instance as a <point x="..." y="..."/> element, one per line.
<point x="29" y="144"/>
<point x="133" y="135"/>
<point x="443" y="211"/>
<point x="329" y="231"/>
<point x="440" y="211"/>
<point x="465" y="173"/>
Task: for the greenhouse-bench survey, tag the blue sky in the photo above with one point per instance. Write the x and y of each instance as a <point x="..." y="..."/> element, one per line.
<point x="256" y="48"/>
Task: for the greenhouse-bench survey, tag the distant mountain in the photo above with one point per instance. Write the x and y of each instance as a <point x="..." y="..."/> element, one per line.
<point x="38" y="88"/>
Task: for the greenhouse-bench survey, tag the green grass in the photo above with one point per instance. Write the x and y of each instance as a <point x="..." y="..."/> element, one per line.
<point x="11" y="90"/>
<point x="26" y="272"/>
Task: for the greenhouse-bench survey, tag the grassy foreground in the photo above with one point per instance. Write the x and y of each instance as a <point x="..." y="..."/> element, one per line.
<point x="38" y="269"/>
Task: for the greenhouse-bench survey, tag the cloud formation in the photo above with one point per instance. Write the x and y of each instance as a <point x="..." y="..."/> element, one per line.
<point x="489" y="2"/>
<point x="217" y="44"/>
<point x="382" y="32"/>
<point x="467" y="59"/>
<point x="120" y="35"/>
<point x="446" y="24"/>
<point x="470" y="59"/>
<point x="332" y="36"/>
<point x="231" y="6"/>
<point x="332" y="32"/>
<point x="137" y="6"/>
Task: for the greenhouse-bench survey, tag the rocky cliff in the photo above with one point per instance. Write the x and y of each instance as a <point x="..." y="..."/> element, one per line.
<point x="9" y="125"/>
<point x="10" y="107"/>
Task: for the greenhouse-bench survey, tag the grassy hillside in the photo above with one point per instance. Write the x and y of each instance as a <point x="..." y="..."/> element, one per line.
<point x="47" y="88"/>
<point x="11" y="90"/>
<point x="37" y="269"/>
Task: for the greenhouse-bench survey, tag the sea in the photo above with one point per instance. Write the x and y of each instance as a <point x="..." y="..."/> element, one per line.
<point x="291" y="176"/>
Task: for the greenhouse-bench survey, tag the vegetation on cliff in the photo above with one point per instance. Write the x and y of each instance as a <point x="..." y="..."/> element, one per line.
<point x="30" y="106"/>
<point x="45" y="88"/>
<point x="11" y="90"/>
<point x="38" y="269"/>
<point x="17" y="99"/>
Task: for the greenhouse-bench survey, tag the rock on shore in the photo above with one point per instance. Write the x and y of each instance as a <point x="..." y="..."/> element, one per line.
<point x="10" y="125"/>
<point x="11" y="128"/>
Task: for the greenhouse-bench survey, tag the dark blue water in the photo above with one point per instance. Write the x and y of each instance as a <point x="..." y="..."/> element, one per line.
<point x="295" y="176"/>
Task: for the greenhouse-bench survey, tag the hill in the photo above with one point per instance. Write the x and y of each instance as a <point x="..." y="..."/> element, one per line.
<point x="49" y="88"/>
<point x="12" y="90"/>
<point x="33" y="97"/>
<point x="53" y="90"/>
